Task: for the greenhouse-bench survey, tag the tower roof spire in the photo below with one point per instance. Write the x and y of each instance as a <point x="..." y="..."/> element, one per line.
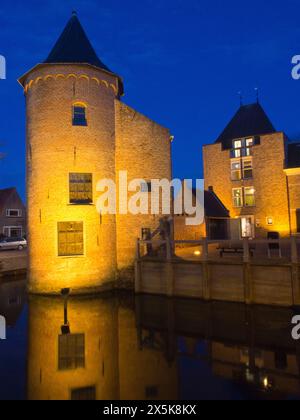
<point x="249" y="120"/>
<point x="73" y="46"/>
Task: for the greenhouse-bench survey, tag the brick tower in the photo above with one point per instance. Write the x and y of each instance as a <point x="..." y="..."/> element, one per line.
<point x="78" y="132"/>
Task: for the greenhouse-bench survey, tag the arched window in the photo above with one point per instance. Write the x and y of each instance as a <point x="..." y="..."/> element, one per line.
<point x="79" y="114"/>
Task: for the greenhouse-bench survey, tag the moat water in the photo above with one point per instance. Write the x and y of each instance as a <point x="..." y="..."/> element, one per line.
<point x="125" y="347"/>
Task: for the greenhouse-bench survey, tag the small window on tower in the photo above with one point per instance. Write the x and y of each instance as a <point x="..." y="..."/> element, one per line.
<point x="79" y="115"/>
<point x="81" y="188"/>
<point x="70" y="239"/>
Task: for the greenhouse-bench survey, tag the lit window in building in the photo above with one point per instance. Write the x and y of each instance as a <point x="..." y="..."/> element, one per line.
<point x="242" y="148"/>
<point x="237" y="146"/>
<point x="247" y="169"/>
<point x="248" y="143"/>
<point x="71" y="351"/>
<point x="84" y="394"/>
<point x="237" y="194"/>
<point x="79" y="115"/>
<point x="249" y="196"/>
<point x="70" y="239"/>
<point x="81" y="188"/>
<point x="236" y="173"/>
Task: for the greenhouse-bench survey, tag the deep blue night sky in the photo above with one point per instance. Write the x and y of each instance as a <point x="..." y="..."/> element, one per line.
<point x="183" y="64"/>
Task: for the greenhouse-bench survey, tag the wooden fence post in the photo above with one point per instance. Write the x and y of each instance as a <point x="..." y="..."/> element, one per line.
<point x="294" y="250"/>
<point x="205" y="249"/>
<point x="169" y="249"/>
<point x="246" y="254"/>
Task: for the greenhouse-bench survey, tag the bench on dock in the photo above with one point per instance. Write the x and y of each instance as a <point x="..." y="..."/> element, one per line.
<point x="234" y="248"/>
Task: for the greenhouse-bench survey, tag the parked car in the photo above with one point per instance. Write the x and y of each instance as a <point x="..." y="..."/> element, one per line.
<point x="13" y="243"/>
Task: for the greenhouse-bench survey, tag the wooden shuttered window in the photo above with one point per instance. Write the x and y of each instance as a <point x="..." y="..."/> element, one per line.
<point x="70" y="239"/>
<point x="81" y="188"/>
<point x="71" y="351"/>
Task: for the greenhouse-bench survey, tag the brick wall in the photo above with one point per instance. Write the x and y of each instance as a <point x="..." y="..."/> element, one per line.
<point x="54" y="149"/>
<point x="269" y="182"/>
<point x="143" y="148"/>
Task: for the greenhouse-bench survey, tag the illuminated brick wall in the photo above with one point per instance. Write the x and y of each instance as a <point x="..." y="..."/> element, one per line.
<point x="143" y="148"/>
<point x="56" y="148"/>
<point x="115" y="138"/>
<point x="269" y="182"/>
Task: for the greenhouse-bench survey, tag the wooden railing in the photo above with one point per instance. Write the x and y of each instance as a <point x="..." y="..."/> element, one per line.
<point x="245" y="245"/>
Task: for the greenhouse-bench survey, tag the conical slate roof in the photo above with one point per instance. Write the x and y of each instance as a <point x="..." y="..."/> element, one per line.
<point x="250" y="120"/>
<point x="73" y="46"/>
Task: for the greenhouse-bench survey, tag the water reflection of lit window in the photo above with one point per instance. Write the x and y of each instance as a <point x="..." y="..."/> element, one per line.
<point x="71" y="351"/>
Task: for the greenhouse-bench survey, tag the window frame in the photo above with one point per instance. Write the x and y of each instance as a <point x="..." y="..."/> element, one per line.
<point x="235" y="197"/>
<point x="83" y="202"/>
<point x="245" y="148"/>
<point x="72" y="359"/>
<point x="248" y="195"/>
<point x="10" y="228"/>
<point x="19" y="211"/>
<point x="250" y="168"/>
<point x="61" y="232"/>
<point x="77" y="121"/>
<point x="239" y="171"/>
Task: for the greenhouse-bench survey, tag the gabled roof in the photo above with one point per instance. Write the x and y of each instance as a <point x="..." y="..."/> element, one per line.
<point x="213" y="206"/>
<point x="250" y="120"/>
<point x="73" y="46"/>
<point x="293" y="158"/>
<point x="5" y="194"/>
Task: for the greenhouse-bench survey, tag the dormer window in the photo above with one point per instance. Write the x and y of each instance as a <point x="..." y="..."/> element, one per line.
<point x="248" y="144"/>
<point x="242" y="147"/>
<point x="237" y="148"/>
<point x="79" y="115"/>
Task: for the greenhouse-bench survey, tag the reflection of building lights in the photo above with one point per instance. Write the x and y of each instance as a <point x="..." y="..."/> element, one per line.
<point x="65" y="329"/>
<point x="266" y="382"/>
<point x="249" y="376"/>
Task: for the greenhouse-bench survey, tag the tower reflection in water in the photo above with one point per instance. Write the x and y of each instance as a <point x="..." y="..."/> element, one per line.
<point x="152" y="348"/>
<point x="90" y="349"/>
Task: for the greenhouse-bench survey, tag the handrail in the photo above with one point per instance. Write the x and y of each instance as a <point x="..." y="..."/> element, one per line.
<point x="245" y="244"/>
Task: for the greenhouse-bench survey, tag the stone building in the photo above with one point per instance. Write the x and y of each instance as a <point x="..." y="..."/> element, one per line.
<point x="78" y="133"/>
<point x="12" y="214"/>
<point x="255" y="171"/>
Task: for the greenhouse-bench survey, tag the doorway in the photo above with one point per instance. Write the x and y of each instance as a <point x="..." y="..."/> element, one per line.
<point x="247" y="227"/>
